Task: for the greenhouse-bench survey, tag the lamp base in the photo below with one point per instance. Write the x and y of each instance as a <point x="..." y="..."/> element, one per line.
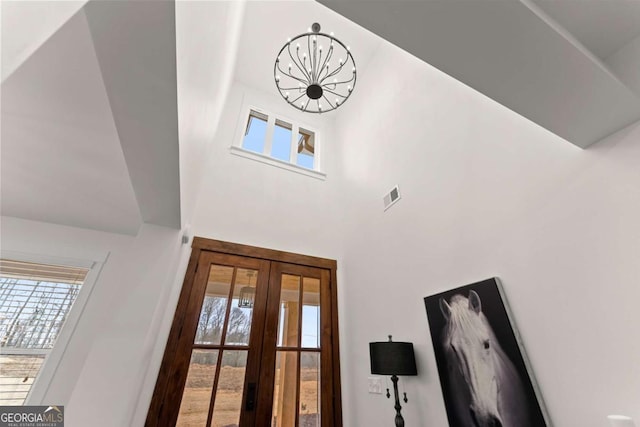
<point x="399" y="419"/>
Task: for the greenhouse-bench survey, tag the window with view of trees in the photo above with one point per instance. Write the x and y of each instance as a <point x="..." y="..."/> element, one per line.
<point x="212" y="321"/>
<point x="35" y="300"/>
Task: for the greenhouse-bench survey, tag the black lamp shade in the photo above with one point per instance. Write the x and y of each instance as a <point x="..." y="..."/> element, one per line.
<point x="392" y="358"/>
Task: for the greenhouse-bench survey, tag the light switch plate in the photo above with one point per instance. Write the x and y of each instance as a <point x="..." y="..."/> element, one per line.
<point x="375" y="385"/>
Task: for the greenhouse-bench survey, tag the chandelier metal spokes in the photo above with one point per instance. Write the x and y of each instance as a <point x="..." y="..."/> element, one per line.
<point x="315" y="72"/>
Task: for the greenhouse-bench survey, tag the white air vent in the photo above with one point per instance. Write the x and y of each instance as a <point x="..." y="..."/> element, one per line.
<point x="391" y="197"/>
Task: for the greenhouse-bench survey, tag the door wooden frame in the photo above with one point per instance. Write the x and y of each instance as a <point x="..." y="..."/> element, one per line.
<point x="156" y="416"/>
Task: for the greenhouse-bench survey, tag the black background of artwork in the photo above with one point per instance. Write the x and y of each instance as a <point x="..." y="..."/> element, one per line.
<point x="495" y="312"/>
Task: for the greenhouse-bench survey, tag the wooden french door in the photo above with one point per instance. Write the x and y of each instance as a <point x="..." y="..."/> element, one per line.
<point x="253" y="343"/>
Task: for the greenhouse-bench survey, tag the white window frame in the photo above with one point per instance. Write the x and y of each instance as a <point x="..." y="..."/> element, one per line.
<point x="49" y="367"/>
<point x="265" y="156"/>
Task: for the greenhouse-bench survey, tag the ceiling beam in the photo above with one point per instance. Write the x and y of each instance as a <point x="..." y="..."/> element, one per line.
<point x="135" y="43"/>
<point x="510" y="52"/>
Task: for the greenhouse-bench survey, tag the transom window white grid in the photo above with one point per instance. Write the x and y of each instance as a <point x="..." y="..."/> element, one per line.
<point x="278" y="141"/>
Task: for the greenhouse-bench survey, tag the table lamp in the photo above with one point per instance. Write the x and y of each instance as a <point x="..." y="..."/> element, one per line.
<point x="393" y="358"/>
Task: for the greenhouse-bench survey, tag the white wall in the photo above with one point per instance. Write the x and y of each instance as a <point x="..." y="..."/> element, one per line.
<point x="39" y="241"/>
<point x="122" y="365"/>
<point x="114" y="354"/>
<point x="205" y="63"/>
<point x="113" y="358"/>
<point x="486" y="193"/>
<point x="246" y="201"/>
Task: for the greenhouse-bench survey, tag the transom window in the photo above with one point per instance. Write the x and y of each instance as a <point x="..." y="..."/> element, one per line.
<point x="35" y="302"/>
<point x="269" y="138"/>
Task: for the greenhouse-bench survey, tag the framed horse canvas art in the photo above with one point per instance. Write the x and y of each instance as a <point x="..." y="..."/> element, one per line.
<point x="482" y="366"/>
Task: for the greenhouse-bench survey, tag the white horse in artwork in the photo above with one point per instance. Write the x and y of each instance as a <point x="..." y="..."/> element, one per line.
<point x="483" y="384"/>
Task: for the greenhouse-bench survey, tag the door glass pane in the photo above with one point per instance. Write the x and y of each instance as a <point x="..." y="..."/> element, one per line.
<point x="194" y="408"/>
<point x="244" y="293"/>
<point x="281" y="144"/>
<point x="310" y="312"/>
<point x="255" y="132"/>
<point x="309" y="389"/>
<point x="214" y="306"/>
<point x="228" y="404"/>
<point x="285" y="389"/>
<point x="289" y="311"/>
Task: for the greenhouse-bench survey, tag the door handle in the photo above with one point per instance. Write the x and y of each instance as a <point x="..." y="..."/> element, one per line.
<point x="250" y="403"/>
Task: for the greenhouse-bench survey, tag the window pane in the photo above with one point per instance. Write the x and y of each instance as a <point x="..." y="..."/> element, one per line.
<point x="244" y="292"/>
<point x="35" y="301"/>
<point x="281" y="145"/>
<point x="285" y="389"/>
<point x="310" y="313"/>
<point x="17" y="373"/>
<point x="226" y="410"/>
<point x="289" y="311"/>
<point x="194" y="408"/>
<point x="306" y="148"/>
<point x="309" y="389"/>
<point x="214" y="306"/>
<point x="33" y="312"/>
<point x="255" y="132"/>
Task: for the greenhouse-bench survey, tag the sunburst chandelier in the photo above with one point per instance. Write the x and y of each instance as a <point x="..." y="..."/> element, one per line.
<point x="315" y="72"/>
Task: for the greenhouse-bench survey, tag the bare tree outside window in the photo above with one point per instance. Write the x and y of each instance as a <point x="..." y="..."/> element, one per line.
<point x="35" y="300"/>
<point x="211" y="323"/>
<point x="211" y="320"/>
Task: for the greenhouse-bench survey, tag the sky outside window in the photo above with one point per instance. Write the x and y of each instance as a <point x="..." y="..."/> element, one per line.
<point x="281" y="145"/>
<point x="306" y="149"/>
<point x="305" y="160"/>
<point x="277" y="140"/>
<point x="255" y="133"/>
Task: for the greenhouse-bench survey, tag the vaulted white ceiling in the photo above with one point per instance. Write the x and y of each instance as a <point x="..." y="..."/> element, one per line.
<point x="602" y="26"/>
<point x="108" y="108"/>
<point x="97" y="95"/>
<point x="135" y="43"/>
<point x="26" y="25"/>
<point x="90" y="128"/>
<point x="61" y="156"/>
<point x="520" y="56"/>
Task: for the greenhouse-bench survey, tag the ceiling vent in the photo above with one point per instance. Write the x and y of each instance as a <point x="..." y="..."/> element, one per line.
<point x="391" y="197"/>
